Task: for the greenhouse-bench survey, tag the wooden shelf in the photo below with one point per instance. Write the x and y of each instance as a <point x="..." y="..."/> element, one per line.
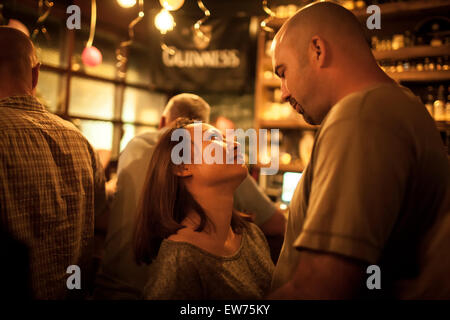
<point x="441" y="75"/>
<point x="286" y="124"/>
<point x="412" y="52"/>
<point x="442" y="125"/>
<point x="388" y="9"/>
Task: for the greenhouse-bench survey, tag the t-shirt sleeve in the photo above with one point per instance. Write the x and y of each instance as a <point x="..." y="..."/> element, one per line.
<point x="173" y="276"/>
<point x="250" y="199"/>
<point x="359" y="173"/>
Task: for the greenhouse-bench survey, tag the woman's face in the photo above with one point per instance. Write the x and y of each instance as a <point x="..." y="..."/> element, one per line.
<point x="219" y="162"/>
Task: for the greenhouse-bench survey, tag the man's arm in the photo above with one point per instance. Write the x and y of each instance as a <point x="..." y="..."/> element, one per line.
<point x="276" y="224"/>
<point x="100" y="200"/>
<point x="322" y="276"/>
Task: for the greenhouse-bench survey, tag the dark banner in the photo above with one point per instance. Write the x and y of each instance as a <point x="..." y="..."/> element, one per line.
<point x="218" y="61"/>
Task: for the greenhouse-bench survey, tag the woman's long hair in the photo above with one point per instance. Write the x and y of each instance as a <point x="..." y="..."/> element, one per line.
<point x="165" y="201"/>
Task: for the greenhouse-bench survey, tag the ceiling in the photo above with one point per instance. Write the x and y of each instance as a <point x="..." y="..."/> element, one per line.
<point x="115" y="18"/>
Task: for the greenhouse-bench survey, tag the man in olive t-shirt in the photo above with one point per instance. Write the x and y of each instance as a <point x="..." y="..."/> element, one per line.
<point x="376" y="190"/>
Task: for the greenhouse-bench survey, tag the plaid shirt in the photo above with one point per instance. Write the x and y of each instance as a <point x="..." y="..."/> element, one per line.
<point x="51" y="182"/>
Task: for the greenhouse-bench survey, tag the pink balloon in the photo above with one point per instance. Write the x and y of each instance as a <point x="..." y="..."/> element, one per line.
<point x="19" y="26"/>
<point x="91" y="56"/>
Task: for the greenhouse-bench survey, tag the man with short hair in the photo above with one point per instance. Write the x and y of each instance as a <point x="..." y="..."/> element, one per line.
<point x="51" y="181"/>
<point x="376" y="190"/>
<point x="120" y="277"/>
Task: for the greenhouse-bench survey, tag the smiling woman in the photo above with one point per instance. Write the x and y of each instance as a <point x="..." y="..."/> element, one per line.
<point x="199" y="246"/>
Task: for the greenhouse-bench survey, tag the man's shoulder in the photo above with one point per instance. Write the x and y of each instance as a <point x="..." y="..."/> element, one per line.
<point x="139" y="147"/>
<point x="145" y="139"/>
<point x="389" y="106"/>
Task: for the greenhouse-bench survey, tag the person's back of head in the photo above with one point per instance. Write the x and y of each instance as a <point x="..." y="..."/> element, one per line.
<point x="18" y="63"/>
<point x="186" y="105"/>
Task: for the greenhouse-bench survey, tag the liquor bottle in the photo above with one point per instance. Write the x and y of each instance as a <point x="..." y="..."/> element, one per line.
<point x="429" y="103"/>
<point x="439" y="105"/>
<point x="445" y="66"/>
<point x="439" y="64"/>
<point x="419" y="66"/>
<point x="435" y="41"/>
<point x="409" y="42"/>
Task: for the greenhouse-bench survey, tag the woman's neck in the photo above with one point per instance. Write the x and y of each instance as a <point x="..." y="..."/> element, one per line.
<point x="218" y="207"/>
<point x="217" y="237"/>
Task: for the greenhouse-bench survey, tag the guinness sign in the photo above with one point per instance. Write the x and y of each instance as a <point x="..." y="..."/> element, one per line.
<point x="217" y="61"/>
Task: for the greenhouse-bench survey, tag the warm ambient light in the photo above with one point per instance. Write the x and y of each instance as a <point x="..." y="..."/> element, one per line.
<point x="164" y="21"/>
<point x="171" y="5"/>
<point x="126" y="3"/>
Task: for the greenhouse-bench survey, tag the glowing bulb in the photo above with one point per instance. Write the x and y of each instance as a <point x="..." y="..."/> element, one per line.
<point x="126" y="3"/>
<point x="286" y="158"/>
<point x="171" y="5"/>
<point x="164" y="21"/>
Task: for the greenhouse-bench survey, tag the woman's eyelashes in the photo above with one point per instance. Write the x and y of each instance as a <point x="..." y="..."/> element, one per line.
<point x="215" y="136"/>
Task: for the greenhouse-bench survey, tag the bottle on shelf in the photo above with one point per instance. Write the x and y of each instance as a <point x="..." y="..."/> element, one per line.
<point x="439" y="105"/>
<point x="409" y="41"/>
<point x="439" y="64"/>
<point x="436" y="41"/>
<point x="419" y="66"/>
<point x="429" y="103"/>
<point x="445" y="66"/>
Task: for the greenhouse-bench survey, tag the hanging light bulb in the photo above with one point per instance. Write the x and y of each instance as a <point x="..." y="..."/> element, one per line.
<point x="126" y="3"/>
<point x="91" y="56"/>
<point x="171" y="5"/>
<point x="164" y="21"/>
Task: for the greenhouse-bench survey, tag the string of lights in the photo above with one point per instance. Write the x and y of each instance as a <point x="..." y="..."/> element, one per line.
<point x="120" y="52"/>
<point x="43" y="14"/>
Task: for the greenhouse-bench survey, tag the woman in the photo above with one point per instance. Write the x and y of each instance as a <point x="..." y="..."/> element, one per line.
<point x="199" y="247"/>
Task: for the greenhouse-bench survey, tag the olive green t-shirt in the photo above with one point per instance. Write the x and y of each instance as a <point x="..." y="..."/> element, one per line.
<point x="183" y="271"/>
<point x="377" y="190"/>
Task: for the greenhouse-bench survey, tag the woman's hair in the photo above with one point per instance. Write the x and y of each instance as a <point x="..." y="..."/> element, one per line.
<point x="165" y="201"/>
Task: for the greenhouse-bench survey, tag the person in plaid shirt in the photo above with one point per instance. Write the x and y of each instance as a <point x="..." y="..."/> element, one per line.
<point x="51" y="180"/>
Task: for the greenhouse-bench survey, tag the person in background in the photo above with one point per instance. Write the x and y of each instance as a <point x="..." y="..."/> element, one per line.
<point x="119" y="276"/>
<point x="198" y="246"/>
<point x="376" y="190"/>
<point x="51" y="182"/>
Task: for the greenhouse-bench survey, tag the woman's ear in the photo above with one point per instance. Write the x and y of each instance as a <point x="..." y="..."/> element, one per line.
<point x="182" y="170"/>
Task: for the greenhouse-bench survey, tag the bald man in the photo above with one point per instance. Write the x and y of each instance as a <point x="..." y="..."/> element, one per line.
<point x="376" y="190"/>
<point x="120" y="276"/>
<point x="51" y="181"/>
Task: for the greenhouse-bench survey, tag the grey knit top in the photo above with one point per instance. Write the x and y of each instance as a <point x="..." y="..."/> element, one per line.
<point x="184" y="271"/>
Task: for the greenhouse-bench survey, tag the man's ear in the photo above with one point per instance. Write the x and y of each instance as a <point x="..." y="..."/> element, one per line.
<point x="35" y="76"/>
<point x="162" y="122"/>
<point x="317" y="51"/>
<point x="183" y="170"/>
